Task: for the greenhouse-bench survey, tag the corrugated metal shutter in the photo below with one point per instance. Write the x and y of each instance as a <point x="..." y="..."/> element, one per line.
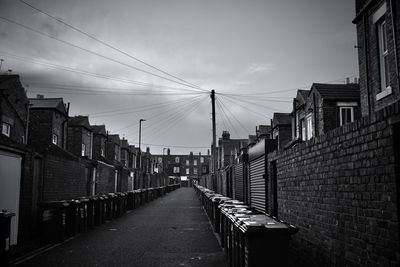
<point x="257" y="183"/>
<point x="239" y="182"/>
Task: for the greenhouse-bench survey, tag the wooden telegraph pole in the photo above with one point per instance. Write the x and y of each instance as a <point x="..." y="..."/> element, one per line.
<point x="214" y="145"/>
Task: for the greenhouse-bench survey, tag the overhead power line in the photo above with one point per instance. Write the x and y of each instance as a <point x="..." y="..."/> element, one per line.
<point x="98" y="54"/>
<point x="87" y="73"/>
<point x="108" y="45"/>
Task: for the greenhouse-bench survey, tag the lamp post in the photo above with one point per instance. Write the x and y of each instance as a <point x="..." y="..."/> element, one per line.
<point x="163" y="164"/>
<point x="140" y="151"/>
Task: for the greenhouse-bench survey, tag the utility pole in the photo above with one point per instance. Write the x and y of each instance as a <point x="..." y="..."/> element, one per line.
<point x="140" y="151"/>
<point x="214" y="144"/>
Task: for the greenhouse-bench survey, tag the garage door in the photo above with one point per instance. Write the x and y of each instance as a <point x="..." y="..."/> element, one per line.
<point x="10" y="178"/>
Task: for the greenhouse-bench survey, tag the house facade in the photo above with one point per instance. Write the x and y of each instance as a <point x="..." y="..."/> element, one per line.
<point x="378" y="29"/>
<point x="281" y="128"/>
<point x="48" y="122"/>
<point x="80" y="137"/>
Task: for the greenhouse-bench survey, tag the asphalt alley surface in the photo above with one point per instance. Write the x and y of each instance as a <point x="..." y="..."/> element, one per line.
<point x="169" y="231"/>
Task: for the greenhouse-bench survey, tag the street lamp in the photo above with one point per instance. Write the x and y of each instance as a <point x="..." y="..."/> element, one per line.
<point x="140" y="131"/>
<point x="140" y="151"/>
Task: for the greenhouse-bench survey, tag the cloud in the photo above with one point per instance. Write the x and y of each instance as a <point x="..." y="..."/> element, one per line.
<point x="260" y="67"/>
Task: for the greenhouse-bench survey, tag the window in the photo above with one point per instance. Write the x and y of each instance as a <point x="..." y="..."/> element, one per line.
<point x="275" y="134"/>
<point x="346" y="115"/>
<point x="176" y="170"/>
<point x="116" y="181"/>
<point x="54" y="139"/>
<point x="102" y="152"/>
<point x="116" y="156"/>
<point x="383" y="52"/>
<point x="309" y="127"/>
<point x="383" y="55"/>
<point x="195" y="171"/>
<point x="204" y="170"/>
<point x="83" y="150"/>
<point x="187" y="171"/>
<point x="195" y="162"/>
<point x="6" y="129"/>
<point x="297" y="125"/>
<point x="201" y="160"/>
<point x="177" y="160"/>
<point x="303" y="130"/>
<point x="187" y="162"/>
<point x="159" y="159"/>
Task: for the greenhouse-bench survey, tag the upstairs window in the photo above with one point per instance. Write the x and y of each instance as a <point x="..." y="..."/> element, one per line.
<point x="309" y="127"/>
<point x="54" y="139"/>
<point x="187" y="162"/>
<point x="201" y="159"/>
<point x="346" y="115"/>
<point x="6" y="129"/>
<point x="383" y="55"/>
<point x="195" y="171"/>
<point x="177" y="160"/>
<point x="176" y="170"/>
<point x="83" y="150"/>
<point x="195" y="162"/>
<point x="303" y="130"/>
<point x="383" y="52"/>
<point x="187" y="171"/>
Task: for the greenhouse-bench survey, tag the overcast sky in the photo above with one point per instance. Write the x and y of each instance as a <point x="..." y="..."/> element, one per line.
<point x="262" y="49"/>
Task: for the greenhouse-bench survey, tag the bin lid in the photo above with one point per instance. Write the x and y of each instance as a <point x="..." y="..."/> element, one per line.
<point x="6" y="214"/>
<point x="53" y="204"/>
<point x="266" y="224"/>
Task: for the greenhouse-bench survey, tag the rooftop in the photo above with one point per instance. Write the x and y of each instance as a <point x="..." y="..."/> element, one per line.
<point x="48" y="103"/>
<point x="281" y="119"/>
<point x="349" y="91"/>
<point x="99" y="129"/>
<point x="82" y="121"/>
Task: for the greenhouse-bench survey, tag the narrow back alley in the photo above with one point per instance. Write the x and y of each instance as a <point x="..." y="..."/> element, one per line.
<point x="170" y="231"/>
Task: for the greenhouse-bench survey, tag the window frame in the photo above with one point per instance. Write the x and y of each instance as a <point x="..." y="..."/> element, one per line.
<point x="56" y="139"/>
<point x="341" y="123"/>
<point x="379" y="19"/>
<point x="177" y="169"/>
<point x="7" y="127"/>
<point x="309" y="127"/>
<point x="83" y="150"/>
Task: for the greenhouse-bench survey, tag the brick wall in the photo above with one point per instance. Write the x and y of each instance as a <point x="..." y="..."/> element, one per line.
<point x="104" y="178"/>
<point x="40" y="128"/>
<point x="64" y="175"/>
<point x="99" y="143"/>
<point x="339" y="189"/>
<point x="74" y="140"/>
<point x="76" y="137"/>
<point x="285" y="135"/>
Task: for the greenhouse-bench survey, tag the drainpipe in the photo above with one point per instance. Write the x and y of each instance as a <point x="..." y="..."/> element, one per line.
<point x="392" y="9"/>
